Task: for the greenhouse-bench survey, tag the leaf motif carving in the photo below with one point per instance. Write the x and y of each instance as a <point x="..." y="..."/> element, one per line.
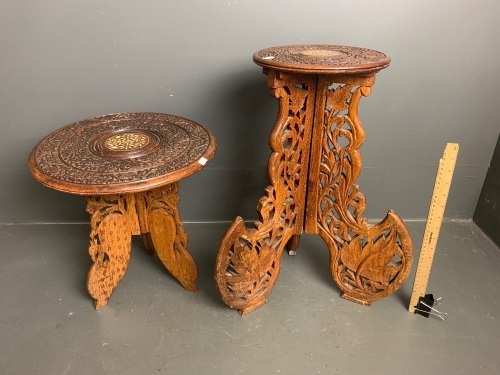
<point x="352" y="255"/>
<point x="380" y="267"/>
<point x="251" y="270"/>
<point x="374" y="260"/>
<point x="337" y="100"/>
<point x="297" y="101"/>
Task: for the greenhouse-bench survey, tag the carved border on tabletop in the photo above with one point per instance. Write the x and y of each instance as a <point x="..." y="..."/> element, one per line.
<point x="368" y="262"/>
<point x="248" y="260"/>
<point x="77" y="153"/>
<point x="316" y="55"/>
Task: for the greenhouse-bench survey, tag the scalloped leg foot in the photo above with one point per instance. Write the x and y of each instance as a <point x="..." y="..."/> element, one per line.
<point x="374" y="262"/>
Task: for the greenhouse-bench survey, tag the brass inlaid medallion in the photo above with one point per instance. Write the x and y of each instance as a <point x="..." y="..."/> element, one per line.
<point x="127" y="141"/>
<point x="320" y="53"/>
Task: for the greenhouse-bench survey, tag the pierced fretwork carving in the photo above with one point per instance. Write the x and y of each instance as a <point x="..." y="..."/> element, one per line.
<point x="368" y="262"/>
<point x="313" y="172"/>
<point x="248" y="260"/>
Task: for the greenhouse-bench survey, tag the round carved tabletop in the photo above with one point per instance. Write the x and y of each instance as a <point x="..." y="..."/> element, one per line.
<point x="121" y="153"/>
<point x="322" y="59"/>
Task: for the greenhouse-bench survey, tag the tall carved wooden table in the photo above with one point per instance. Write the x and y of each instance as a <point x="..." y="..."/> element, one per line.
<point x="127" y="166"/>
<point x="312" y="171"/>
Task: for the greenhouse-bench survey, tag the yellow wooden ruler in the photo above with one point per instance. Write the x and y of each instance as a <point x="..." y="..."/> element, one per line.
<point x="434" y="220"/>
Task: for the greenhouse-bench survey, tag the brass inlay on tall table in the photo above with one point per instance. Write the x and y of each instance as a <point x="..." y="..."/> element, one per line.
<point x="127" y="166"/>
<point x="313" y="171"/>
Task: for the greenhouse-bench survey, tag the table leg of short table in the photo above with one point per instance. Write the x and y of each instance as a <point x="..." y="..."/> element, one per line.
<point x="115" y="218"/>
<point x="164" y="233"/>
<point x="112" y="224"/>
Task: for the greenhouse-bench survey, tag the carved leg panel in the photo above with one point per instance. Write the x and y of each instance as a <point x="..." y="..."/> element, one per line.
<point x="166" y="235"/>
<point x="367" y="262"/>
<point x="248" y="260"/>
<point x="110" y="245"/>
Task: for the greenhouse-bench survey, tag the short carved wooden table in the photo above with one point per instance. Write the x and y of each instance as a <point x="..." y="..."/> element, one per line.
<point x="313" y="170"/>
<point x="127" y="167"/>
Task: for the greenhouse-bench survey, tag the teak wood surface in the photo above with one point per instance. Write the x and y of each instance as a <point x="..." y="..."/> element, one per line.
<point x="313" y="171"/>
<point x="127" y="166"/>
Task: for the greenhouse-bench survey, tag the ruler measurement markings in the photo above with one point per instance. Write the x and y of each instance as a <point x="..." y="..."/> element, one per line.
<point x="434" y="220"/>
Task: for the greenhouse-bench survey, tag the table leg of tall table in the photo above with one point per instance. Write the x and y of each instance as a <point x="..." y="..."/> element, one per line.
<point x="248" y="260"/>
<point x="367" y="262"/>
<point x="293" y="244"/>
<point x="111" y="231"/>
<point x="163" y="232"/>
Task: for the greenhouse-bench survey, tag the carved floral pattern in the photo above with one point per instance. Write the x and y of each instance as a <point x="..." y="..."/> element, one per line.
<point x="248" y="259"/>
<point x="110" y="244"/>
<point x="320" y="56"/>
<point x="319" y="88"/>
<point x="115" y="218"/>
<point x="74" y="154"/>
<point x="166" y="233"/>
<point x="126" y="141"/>
<point x="368" y="262"/>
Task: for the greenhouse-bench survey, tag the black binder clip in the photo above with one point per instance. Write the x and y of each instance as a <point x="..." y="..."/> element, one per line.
<point x="425" y="307"/>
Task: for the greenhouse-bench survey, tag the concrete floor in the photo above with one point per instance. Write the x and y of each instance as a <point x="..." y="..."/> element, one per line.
<point x="152" y="325"/>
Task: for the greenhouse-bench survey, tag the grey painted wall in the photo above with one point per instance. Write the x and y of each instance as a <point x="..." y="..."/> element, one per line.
<point x="66" y="60"/>
<point x="487" y="214"/>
